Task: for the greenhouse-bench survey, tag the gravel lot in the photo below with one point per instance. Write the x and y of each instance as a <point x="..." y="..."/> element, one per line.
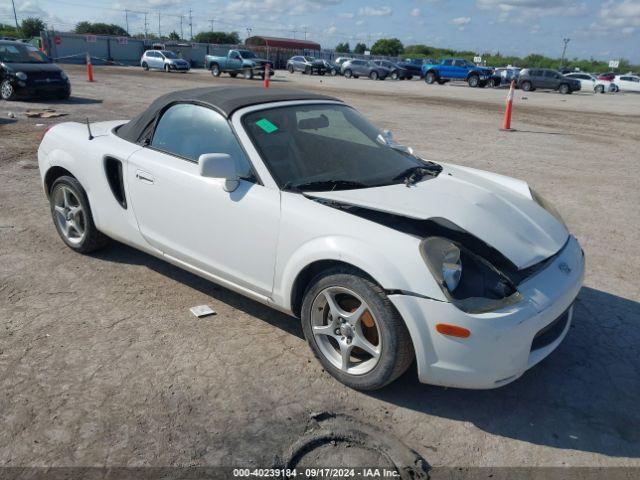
<point x="101" y="362"/>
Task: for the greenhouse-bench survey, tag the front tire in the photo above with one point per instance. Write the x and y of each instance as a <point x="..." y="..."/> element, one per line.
<point x="7" y="92"/>
<point x="599" y="89"/>
<point x="145" y="66"/>
<point x="373" y="75"/>
<point x="72" y="216"/>
<point x="395" y="75"/>
<point x="354" y="330"/>
<point x="290" y="68"/>
<point x="348" y="73"/>
<point x="474" y="81"/>
<point x="334" y="72"/>
<point x="564" y="89"/>
<point x="527" y="86"/>
<point x="430" y="78"/>
<point x="167" y="69"/>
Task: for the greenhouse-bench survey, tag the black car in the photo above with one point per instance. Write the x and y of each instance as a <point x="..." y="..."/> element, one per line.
<point x="414" y="66"/>
<point x="27" y="72"/>
<point x="397" y="72"/>
<point x="546" y="79"/>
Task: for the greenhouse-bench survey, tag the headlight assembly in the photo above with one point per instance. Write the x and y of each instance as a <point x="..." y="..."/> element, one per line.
<point x="21" y="76"/>
<point x="469" y="281"/>
<point x="63" y="76"/>
<point x="547" y="205"/>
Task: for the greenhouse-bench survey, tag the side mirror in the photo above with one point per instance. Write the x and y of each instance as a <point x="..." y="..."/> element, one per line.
<point x="219" y="165"/>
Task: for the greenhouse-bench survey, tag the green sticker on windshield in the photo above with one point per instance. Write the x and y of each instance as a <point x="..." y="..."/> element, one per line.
<point x="266" y="125"/>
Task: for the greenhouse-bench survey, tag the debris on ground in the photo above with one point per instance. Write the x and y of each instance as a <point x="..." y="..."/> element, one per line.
<point x="46" y="113"/>
<point x="202" y="311"/>
<point x="11" y="115"/>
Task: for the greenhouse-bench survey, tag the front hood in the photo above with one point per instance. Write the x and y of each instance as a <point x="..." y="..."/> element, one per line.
<point x="505" y="219"/>
<point x="33" y="67"/>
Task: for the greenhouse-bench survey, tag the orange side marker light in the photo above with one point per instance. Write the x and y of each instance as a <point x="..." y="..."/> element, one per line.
<point x="452" y="330"/>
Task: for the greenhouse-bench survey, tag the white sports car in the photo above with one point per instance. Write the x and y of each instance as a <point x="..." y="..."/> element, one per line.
<point x="297" y="201"/>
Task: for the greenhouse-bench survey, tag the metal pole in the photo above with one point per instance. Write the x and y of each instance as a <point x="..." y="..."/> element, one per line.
<point x="191" y="24"/>
<point x="146" y="34"/>
<point x="181" y="30"/>
<point x="159" y="29"/>
<point x="126" y="17"/>
<point x="564" y="50"/>
<point x="211" y="25"/>
<point x="15" y="17"/>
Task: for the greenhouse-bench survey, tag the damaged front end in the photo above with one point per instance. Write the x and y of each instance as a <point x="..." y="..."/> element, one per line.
<point x="473" y="275"/>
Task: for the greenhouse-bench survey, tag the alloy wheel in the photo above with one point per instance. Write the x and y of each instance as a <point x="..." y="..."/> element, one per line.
<point x="7" y="89"/>
<point x="69" y="215"/>
<point x="345" y="330"/>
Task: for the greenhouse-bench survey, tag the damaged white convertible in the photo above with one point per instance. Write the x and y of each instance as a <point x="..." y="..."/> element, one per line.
<point x="298" y="202"/>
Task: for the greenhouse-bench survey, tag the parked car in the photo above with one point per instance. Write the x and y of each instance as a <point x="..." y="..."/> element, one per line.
<point x="396" y="71"/>
<point x="607" y="76"/>
<point x="627" y="83"/>
<point x="590" y="83"/>
<point x="546" y="79"/>
<point x="238" y="61"/>
<point x="364" y="68"/>
<point x="414" y="65"/>
<point x="504" y="76"/>
<point x="470" y="274"/>
<point x="456" y="69"/>
<point x="164" y="60"/>
<point x="308" y="65"/>
<point x="26" y="72"/>
<point x="331" y="68"/>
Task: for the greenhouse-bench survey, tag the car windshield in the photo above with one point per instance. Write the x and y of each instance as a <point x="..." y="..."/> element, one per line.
<point x="327" y="147"/>
<point x="169" y="54"/>
<point x="247" y="54"/>
<point x="17" y="53"/>
<point x="309" y="59"/>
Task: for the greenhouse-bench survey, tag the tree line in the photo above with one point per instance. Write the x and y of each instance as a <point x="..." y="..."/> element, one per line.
<point x="394" y="48"/>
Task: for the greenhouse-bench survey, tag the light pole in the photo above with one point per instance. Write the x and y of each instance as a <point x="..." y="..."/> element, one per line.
<point x="15" y="17"/>
<point x="564" y="50"/>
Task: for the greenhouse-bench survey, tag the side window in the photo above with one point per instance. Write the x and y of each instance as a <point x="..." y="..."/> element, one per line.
<point x="448" y="62"/>
<point x="188" y="131"/>
<point x="550" y="74"/>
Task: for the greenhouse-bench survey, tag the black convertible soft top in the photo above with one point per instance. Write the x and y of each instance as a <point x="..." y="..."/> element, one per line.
<point x="224" y="99"/>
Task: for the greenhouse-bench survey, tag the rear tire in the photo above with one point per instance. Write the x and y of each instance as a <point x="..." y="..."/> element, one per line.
<point x="247" y="73"/>
<point x="68" y="191"/>
<point x="334" y="72"/>
<point x="215" y="70"/>
<point x="166" y="68"/>
<point x="379" y="328"/>
<point x="290" y="68"/>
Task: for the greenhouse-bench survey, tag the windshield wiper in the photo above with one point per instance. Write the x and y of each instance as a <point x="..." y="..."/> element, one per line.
<point x="325" y="185"/>
<point x="414" y="174"/>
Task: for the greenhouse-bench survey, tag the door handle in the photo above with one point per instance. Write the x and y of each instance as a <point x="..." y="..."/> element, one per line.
<point x="144" y="176"/>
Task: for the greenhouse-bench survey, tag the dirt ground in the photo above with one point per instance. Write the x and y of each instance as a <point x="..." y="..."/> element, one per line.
<point x="101" y="362"/>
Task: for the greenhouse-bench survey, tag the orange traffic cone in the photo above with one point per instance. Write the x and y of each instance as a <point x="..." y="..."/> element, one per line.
<point x="506" y="123"/>
<point x="266" y="76"/>
<point x="89" y="68"/>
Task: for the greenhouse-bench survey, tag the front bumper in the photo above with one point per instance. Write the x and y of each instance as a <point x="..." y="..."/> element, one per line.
<point x="503" y="344"/>
<point x="41" y="89"/>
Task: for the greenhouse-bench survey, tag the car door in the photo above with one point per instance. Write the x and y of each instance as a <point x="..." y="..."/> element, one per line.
<point x="234" y="61"/>
<point x="458" y="70"/>
<point x="190" y="218"/>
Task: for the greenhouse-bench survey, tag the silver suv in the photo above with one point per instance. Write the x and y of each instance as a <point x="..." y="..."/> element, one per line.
<point x="163" y="60"/>
<point x="364" y="68"/>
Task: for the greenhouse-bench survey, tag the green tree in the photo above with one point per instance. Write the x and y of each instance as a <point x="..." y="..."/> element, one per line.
<point x="343" y="48"/>
<point x="100" y="29"/>
<point x="387" y="46"/>
<point x="174" y="36"/>
<point x="360" y="48"/>
<point x="8" y="30"/>
<point x="32" y="26"/>
<point x="224" y="38"/>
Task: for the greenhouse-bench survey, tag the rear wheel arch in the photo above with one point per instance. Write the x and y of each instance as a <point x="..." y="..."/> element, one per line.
<point x="53" y="174"/>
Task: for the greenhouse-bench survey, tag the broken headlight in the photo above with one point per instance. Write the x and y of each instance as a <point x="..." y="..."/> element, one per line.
<point x="547" y="205"/>
<point x="469" y="281"/>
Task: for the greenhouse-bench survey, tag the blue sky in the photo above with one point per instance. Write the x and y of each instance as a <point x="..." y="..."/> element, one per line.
<point x="607" y="29"/>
